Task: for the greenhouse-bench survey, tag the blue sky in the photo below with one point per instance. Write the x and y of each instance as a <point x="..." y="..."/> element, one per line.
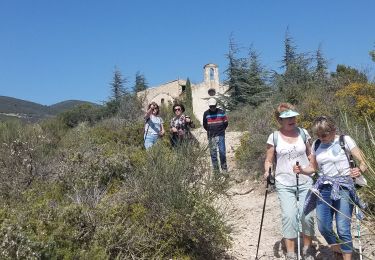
<point x="51" y="51"/>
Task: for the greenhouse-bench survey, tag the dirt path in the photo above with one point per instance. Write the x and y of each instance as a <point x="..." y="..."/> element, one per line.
<point x="243" y="210"/>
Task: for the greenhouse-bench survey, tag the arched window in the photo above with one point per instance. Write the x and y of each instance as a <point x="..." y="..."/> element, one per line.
<point x="212" y="74"/>
<point x="162" y="101"/>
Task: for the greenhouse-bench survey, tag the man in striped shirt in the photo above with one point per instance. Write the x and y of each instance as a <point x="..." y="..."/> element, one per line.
<point x="215" y="122"/>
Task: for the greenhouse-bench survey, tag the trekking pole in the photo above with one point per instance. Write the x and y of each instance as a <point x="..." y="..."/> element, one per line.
<point x="269" y="182"/>
<point x="298" y="216"/>
<point x="352" y="165"/>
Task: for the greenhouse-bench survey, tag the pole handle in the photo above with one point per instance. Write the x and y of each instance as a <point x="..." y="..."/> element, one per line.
<point x="270" y="178"/>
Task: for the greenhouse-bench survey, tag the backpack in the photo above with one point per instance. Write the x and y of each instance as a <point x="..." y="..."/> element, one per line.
<point x="360" y="181"/>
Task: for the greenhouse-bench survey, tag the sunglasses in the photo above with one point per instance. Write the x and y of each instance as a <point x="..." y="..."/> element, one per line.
<point x="324" y="135"/>
<point x="155" y="108"/>
<point x="177" y="109"/>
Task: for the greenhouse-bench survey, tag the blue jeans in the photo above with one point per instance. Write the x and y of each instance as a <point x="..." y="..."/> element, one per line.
<point x="325" y="214"/>
<point x="289" y="209"/>
<point x="150" y="140"/>
<point x="214" y="143"/>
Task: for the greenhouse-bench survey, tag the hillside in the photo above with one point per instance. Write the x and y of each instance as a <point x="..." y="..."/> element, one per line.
<point x="30" y="111"/>
<point x="66" y="105"/>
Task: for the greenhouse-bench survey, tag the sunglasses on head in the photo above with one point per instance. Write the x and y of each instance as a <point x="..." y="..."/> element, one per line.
<point x="321" y="118"/>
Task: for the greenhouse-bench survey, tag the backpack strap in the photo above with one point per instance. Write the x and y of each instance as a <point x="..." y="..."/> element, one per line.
<point x="342" y="144"/>
<point x="302" y="134"/>
<point x="275" y="136"/>
<point x="316" y="144"/>
<point x="148" y="126"/>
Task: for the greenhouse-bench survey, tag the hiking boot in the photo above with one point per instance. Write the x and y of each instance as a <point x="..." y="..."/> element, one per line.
<point x="290" y="256"/>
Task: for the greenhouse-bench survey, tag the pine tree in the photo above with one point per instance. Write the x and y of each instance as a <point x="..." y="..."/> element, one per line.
<point x="297" y="77"/>
<point x="117" y="85"/>
<point x="257" y="90"/>
<point x="236" y="77"/>
<point x="140" y="82"/>
<point x="321" y="70"/>
<point x="290" y="51"/>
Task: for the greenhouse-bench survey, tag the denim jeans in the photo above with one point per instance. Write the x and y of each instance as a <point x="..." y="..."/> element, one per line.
<point x="289" y="210"/>
<point x="150" y="140"/>
<point x="325" y="214"/>
<point x="214" y="143"/>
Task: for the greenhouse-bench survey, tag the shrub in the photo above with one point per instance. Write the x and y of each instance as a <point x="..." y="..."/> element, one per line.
<point x="23" y="155"/>
<point x="358" y="100"/>
<point x="82" y="113"/>
<point x="99" y="194"/>
<point x="259" y="123"/>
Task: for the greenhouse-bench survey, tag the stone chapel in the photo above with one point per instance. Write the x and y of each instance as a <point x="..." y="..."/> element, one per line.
<point x="201" y="92"/>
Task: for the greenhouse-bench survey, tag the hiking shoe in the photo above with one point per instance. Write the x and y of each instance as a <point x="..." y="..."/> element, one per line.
<point x="290" y="256"/>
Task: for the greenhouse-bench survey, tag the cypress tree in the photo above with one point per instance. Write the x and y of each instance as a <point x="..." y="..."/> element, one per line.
<point x="189" y="95"/>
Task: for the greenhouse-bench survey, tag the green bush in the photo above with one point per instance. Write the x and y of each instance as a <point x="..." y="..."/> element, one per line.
<point x="258" y="123"/>
<point x="99" y="195"/>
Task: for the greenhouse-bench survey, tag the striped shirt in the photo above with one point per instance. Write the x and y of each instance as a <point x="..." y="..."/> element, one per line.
<point x="215" y="122"/>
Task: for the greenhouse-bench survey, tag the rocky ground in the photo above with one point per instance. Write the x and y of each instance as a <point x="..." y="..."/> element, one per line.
<point x="243" y="210"/>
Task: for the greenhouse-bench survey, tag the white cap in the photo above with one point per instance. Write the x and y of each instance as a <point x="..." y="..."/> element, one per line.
<point x="212" y="102"/>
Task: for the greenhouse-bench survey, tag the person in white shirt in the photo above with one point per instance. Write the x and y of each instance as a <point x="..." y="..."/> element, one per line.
<point x="290" y="144"/>
<point x="335" y="184"/>
<point x="153" y="129"/>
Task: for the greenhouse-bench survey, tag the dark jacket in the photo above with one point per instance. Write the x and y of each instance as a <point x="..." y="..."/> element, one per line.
<point x="215" y="122"/>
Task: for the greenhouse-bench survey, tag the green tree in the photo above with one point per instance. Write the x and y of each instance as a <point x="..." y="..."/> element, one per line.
<point x="346" y="75"/>
<point x="297" y="77"/>
<point x="140" y="82"/>
<point x="372" y="54"/>
<point x="290" y="53"/>
<point x="321" y="63"/>
<point x="189" y="96"/>
<point x="257" y="90"/>
<point x="117" y="85"/>
<point x="321" y="70"/>
<point x="236" y="77"/>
